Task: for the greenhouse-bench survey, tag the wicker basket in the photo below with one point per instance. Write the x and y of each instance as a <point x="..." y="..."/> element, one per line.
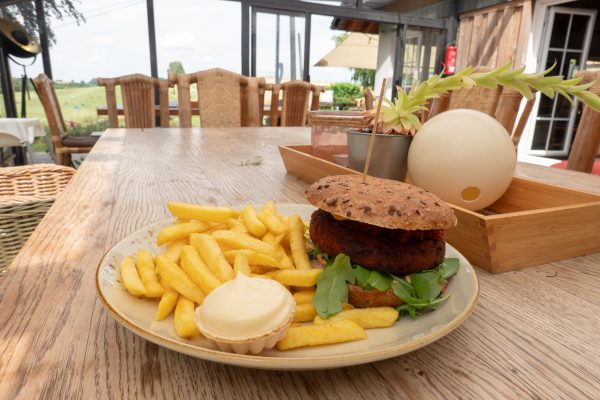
<point x="26" y="194"/>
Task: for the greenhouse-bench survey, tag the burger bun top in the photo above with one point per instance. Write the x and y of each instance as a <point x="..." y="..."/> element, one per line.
<point x="381" y="202"/>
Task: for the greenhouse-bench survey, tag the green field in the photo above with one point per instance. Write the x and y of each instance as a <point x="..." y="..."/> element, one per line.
<point x="78" y="105"/>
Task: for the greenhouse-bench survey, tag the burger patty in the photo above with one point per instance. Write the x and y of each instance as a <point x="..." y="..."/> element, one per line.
<point x="397" y="251"/>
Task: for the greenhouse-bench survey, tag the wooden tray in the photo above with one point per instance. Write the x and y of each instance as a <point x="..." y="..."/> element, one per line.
<point x="532" y="223"/>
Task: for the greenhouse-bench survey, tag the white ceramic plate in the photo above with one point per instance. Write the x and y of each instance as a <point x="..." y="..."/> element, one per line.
<point x="406" y="335"/>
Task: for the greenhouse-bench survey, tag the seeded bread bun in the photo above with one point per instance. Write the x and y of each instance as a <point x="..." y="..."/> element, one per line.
<point x="381" y="202"/>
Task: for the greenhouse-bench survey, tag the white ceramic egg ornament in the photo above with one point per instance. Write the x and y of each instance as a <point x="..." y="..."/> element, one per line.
<point x="464" y="156"/>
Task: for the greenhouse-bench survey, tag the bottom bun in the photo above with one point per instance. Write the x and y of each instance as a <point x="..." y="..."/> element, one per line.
<point x="363" y="298"/>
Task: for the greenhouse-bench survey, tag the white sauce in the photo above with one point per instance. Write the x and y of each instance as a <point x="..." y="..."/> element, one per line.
<point x="245" y="308"/>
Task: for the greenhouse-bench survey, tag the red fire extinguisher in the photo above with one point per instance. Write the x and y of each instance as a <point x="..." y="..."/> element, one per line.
<point x="450" y="64"/>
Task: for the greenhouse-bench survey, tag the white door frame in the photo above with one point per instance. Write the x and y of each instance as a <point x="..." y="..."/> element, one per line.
<point x="535" y="48"/>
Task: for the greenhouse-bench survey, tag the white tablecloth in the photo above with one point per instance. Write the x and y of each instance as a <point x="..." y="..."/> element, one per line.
<point x="25" y="129"/>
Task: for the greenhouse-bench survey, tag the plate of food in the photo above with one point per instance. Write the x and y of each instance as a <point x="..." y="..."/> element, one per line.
<point x="362" y="274"/>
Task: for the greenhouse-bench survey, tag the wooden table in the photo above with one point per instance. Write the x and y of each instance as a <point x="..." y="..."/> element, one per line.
<point x="534" y="333"/>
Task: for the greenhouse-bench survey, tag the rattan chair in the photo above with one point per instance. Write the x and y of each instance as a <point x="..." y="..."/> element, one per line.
<point x="26" y="194"/>
<point x="225" y="99"/>
<point x="64" y="144"/>
<point x="585" y="146"/>
<point x="500" y="103"/>
<point x="137" y="92"/>
<point x="294" y="98"/>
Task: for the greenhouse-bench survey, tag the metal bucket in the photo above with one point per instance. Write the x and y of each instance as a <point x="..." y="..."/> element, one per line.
<point x="389" y="158"/>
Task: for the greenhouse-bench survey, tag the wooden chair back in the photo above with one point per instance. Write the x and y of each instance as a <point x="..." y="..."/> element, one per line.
<point x="58" y="129"/>
<point x="225" y="99"/>
<point x="369" y="103"/>
<point x="501" y="103"/>
<point x="294" y="108"/>
<point x="137" y="92"/>
<point x="586" y="144"/>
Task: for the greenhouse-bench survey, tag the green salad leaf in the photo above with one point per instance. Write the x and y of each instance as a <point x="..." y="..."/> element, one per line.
<point x="420" y="291"/>
<point x="423" y="291"/>
<point x="449" y="267"/>
<point x="332" y="288"/>
<point x="427" y="284"/>
<point x="361" y="274"/>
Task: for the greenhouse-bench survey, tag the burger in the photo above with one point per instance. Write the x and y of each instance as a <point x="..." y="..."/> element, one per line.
<point x="386" y="226"/>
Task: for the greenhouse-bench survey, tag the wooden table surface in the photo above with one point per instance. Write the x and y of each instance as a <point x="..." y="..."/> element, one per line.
<point x="534" y="333"/>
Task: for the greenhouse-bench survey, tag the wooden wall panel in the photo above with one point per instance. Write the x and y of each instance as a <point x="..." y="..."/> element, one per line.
<point x="492" y="36"/>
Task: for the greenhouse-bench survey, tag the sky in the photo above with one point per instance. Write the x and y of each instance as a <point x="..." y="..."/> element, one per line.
<point x="202" y="34"/>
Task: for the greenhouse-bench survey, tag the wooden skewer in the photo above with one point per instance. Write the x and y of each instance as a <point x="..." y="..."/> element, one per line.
<point x="374" y="131"/>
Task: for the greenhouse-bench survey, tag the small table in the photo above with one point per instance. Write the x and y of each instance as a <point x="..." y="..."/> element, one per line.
<point x="25" y="130"/>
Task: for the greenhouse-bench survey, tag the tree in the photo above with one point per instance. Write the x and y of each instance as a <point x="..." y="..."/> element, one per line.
<point x="176" y="67"/>
<point x="24" y="14"/>
<point x="366" y="77"/>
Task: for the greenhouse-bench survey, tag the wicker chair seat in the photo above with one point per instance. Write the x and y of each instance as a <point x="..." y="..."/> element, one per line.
<point x="79" y="141"/>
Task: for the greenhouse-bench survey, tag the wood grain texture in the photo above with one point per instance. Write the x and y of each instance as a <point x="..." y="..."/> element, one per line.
<point x="492" y="36"/>
<point x="533" y="335"/>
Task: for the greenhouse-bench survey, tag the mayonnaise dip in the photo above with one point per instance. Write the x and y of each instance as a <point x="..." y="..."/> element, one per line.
<point x="245" y="308"/>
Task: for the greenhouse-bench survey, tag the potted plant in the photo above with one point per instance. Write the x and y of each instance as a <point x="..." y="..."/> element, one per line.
<point x="399" y="119"/>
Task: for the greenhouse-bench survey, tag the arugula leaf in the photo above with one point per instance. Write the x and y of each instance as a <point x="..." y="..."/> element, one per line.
<point x="313" y="253"/>
<point x="332" y="289"/>
<point x="401" y="289"/>
<point x="379" y="280"/>
<point x="426" y="284"/>
<point x="448" y="268"/>
<point x="405" y="285"/>
<point x="423" y="304"/>
<point x="361" y="274"/>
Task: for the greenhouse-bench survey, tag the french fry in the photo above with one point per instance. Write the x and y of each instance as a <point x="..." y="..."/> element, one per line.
<point x="216" y="227"/>
<point x="167" y="303"/>
<point x="254" y="225"/>
<point x="212" y="255"/>
<point x="304" y="297"/>
<point x="197" y="270"/>
<point x="260" y="270"/>
<point x="241" y="266"/>
<point x="304" y="312"/>
<point x="296" y="277"/>
<point x="285" y="260"/>
<point x="144" y="262"/>
<point x="298" y="243"/>
<point x="131" y="279"/>
<point x="181" y="220"/>
<point x="253" y="257"/>
<point x="316" y="335"/>
<point x="243" y="241"/>
<point x="174" y="249"/>
<point x="174" y="277"/>
<point x="201" y="213"/>
<point x="269" y="217"/>
<point x="236" y="225"/>
<point x="374" y="317"/>
<point x="184" y="319"/>
<point x="181" y="231"/>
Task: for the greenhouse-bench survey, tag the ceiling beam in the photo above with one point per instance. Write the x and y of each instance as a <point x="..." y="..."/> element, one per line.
<point x="348" y="12"/>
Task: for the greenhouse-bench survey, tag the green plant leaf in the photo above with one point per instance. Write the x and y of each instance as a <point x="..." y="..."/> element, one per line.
<point x="589" y="99"/>
<point x="379" y="280"/>
<point x="448" y="268"/>
<point x="402" y="289"/>
<point x="332" y="288"/>
<point x="361" y="274"/>
<point x="426" y="284"/>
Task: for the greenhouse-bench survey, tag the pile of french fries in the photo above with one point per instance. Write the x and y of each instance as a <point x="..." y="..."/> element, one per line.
<point x="207" y="246"/>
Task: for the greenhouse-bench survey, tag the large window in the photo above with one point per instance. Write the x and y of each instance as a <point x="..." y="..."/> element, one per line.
<point x="199" y="34"/>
